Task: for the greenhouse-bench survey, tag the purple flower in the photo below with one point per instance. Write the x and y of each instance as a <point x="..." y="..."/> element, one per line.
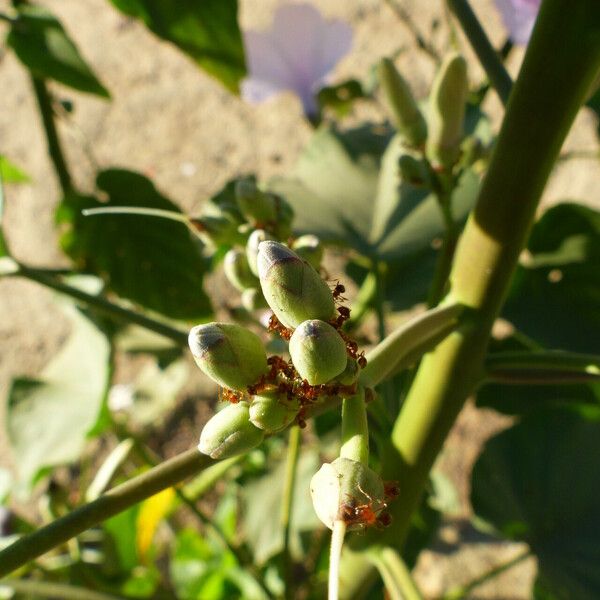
<point x="519" y="17"/>
<point x="296" y="54"/>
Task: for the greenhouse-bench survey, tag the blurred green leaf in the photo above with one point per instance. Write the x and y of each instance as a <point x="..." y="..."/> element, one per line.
<point x="43" y="46"/>
<point x="205" y="30"/>
<point x="554" y="298"/>
<point x="346" y="188"/>
<point x="122" y="529"/>
<point x="49" y="418"/>
<point x="10" y="173"/>
<point x="153" y="262"/>
<point x="262" y="499"/>
<point x="539" y="482"/>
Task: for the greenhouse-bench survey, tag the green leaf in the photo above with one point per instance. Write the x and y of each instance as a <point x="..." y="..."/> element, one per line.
<point x="206" y="30"/>
<point x="346" y="189"/>
<point x="262" y="500"/>
<point x="49" y="418"/>
<point x="10" y="173"/>
<point x="153" y="262"/>
<point x="539" y="482"/>
<point x="43" y="46"/>
<point x="554" y="298"/>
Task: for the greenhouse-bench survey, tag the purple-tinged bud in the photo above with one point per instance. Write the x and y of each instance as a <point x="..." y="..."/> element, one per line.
<point x="294" y="290"/>
<point x="272" y="411"/>
<point x="229" y="354"/>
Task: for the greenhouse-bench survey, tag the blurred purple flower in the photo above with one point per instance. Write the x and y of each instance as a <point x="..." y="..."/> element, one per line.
<point x="296" y="54"/>
<point x="519" y="17"/>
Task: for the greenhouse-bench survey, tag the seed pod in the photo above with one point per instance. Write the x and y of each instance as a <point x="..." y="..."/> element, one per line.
<point x="272" y="411"/>
<point x="413" y="170"/>
<point x="237" y="270"/>
<point x="309" y="248"/>
<point x="447" y="103"/>
<point x="318" y="352"/>
<point x="407" y="117"/>
<point x="229" y="354"/>
<point x="294" y="290"/>
<point x="254" y="204"/>
<point x="256" y="237"/>
<point x="230" y="432"/>
<point x="339" y="487"/>
<point x="253" y="299"/>
<point x="216" y="230"/>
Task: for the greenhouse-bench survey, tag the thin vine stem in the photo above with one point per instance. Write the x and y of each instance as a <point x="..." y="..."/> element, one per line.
<point x="58" y="591"/>
<point x="487" y="55"/>
<point x="103" y="305"/>
<point x="287" y="504"/>
<point x="396" y="576"/>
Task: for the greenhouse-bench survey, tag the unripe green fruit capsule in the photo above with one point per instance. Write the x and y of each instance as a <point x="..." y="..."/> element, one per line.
<point x="318" y="352"/>
<point x="309" y="248"/>
<point x="272" y="411"/>
<point x="237" y="270"/>
<point x="294" y="290"/>
<point x="254" y="204"/>
<point x="408" y="118"/>
<point x="229" y="354"/>
<point x="253" y="299"/>
<point x="345" y="482"/>
<point x="216" y="230"/>
<point x="447" y="103"/>
<point x="230" y="433"/>
<point x="254" y="240"/>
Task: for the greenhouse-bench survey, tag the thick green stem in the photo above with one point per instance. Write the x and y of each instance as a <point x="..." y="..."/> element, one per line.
<point x="104" y="306"/>
<point x="60" y="591"/>
<point x="54" y="148"/>
<point x="287" y="503"/>
<point x="487" y="55"/>
<point x="116" y="500"/>
<point x="464" y="590"/>
<point x="552" y="85"/>
<point x="395" y="574"/>
<point x="355" y="429"/>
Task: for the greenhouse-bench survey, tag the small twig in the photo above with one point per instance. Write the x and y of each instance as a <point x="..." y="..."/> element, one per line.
<point x="406" y="18"/>
<point x="396" y="576"/>
<point x="60" y="591"/>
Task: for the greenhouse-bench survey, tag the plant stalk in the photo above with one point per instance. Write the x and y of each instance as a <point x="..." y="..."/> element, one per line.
<point x="487" y="55"/>
<point x="396" y="576"/>
<point x="60" y="591"/>
<point x="287" y="504"/>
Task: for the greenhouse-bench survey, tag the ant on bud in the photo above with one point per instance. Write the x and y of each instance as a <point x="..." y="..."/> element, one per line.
<point x="338" y="290"/>
<point x="275" y="326"/>
<point x="226" y="395"/>
<point x="371" y="513"/>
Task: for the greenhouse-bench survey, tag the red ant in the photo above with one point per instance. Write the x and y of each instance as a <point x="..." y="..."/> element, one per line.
<point x="227" y="395"/>
<point x="365" y="515"/>
<point x="391" y="490"/>
<point x="338" y="290"/>
<point x="276" y="326"/>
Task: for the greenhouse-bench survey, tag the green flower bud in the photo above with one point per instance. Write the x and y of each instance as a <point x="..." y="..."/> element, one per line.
<point x="215" y="230"/>
<point x="413" y="170"/>
<point x="256" y="237"/>
<point x="447" y="103"/>
<point x="350" y="374"/>
<point x="253" y="299"/>
<point x="230" y="432"/>
<point x="318" y="352"/>
<point x="229" y="354"/>
<point x="237" y="270"/>
<point x="338" y="487"/>
<point x="309" y="248"/>
<point x="294" y="290"/>
<point x="407" y="116"/>
<point x="254" y="204"/>
<point x="272" y="411"/>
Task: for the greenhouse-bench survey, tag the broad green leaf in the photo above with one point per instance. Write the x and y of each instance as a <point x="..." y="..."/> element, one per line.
<point x="555" y="296"/>
<point x="153" y="262"/>
<point x="10" y="173"/>
<point x="43" y="46"/>
<point x="346" y="188"/>
<point x="539" y="482"/>
<point x="206" y="30"/>
<point x="262" y="501"/>
<point x="49" y="418"/>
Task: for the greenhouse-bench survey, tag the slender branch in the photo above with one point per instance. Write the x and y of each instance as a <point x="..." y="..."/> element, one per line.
<point x="355" y="429"/>
<point x="60" y="591"/>
<point x="102" y="305"/>
<point x="396" y="576"/>
<point x="406" y="18"/>
<point x="287" y="503"/>
<point x="116" y="500"/>
<point x="487" y="55"/>
<point x="44" y="101"/>
<point x="463" y="590"/>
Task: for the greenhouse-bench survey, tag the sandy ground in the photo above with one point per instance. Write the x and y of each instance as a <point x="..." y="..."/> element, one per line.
<point x="172" y="122"/>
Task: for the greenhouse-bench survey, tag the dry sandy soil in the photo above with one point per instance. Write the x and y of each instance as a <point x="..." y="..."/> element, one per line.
<point x="172" y="122"/>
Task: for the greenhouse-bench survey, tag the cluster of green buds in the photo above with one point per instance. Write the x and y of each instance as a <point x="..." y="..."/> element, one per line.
<point x="266" y="394"/>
